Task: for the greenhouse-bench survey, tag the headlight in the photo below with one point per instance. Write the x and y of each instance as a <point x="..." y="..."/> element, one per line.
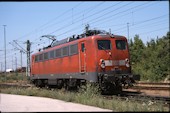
<point x="102" y="63"/>
<point x="127" y="62"/>
<point x="127" y="65"/>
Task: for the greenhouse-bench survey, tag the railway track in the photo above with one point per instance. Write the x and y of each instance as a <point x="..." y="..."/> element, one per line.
<point x="136" y="96"/>
<point x="140" y="96"/>
<point x="15" y="85"/>
<point x="152" y="83"/>
<point x="130" y="95"/>
<point x="151" y="86"/>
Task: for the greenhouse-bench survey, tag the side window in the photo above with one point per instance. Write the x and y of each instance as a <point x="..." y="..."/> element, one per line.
<point x="51" y="54"/>
<point x="73" y="49"/>
<point x="82" y="47"/>
<point x="40" y="57"/>
<point x="46" y="56"/>
<point x="58" y="53"/>
<point x="65" y="51"/>
<point x="36" y="58"/>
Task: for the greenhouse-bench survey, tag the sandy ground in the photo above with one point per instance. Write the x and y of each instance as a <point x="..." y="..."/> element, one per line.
<point x="18" y="103"/>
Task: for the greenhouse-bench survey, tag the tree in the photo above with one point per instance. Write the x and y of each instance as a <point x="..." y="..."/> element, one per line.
<point x="136" y="49"/>
<point x="151" y="61"/>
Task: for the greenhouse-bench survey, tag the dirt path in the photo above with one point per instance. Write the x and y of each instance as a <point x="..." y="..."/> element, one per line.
<point x="18" y="103"/>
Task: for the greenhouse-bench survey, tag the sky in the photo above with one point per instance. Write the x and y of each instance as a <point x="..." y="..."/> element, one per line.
<point x="31" y="20"/>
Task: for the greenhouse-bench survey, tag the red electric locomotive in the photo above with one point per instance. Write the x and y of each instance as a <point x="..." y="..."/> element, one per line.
<point x="94" y="56"/>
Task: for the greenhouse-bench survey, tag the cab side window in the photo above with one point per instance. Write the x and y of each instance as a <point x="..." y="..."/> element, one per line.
<point x="82" y="47"/>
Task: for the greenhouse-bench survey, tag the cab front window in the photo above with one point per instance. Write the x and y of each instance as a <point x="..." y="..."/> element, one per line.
<point x="104" y="44"/>
<point x="121" y="44"/>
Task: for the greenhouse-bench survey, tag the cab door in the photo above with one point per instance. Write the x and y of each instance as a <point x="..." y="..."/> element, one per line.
<point x="82" y="57"/>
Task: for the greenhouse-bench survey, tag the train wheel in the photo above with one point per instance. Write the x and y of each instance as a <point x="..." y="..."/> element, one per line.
<point x="66" y="85"/>
<point x="71" y="85"/>
<point x="47" y="86"/>
<point x="60" y="84"/>
<point x="110" y="89"/>
<point x="38" y="83"/>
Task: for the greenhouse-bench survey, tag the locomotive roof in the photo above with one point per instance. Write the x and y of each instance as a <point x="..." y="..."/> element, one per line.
<point x="70" y="39"/>
<point x="63" y="41"/>
<point x="88" y="33"/>
<point x="66" y="40"/>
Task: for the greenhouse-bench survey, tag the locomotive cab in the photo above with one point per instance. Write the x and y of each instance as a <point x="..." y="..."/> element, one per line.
<point x="113" y="59"/>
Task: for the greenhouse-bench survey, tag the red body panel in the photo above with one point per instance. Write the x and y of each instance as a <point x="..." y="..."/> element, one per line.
<point x="87" y="61"/>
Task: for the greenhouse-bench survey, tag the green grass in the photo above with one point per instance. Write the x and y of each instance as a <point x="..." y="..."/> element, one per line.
<point x="13" y="77"/>
<point x="88" y="95"/>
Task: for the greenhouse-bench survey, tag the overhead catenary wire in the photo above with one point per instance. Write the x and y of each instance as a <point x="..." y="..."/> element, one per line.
<point x="96" y="13"/>
<point x="68" y="31"/>
<point x="105" y="17"/>
<point x="153" y="30"/>
<point x="145" y="20"/>
<point x="120" y="16"/>
<point x="104" y="14"/>
<point x="141" y="22"/>
<point x="75" y="22"/>
<point x="150" y="24"/>
<point x="51" y="20"/>
<point x="136" y="23"/>
<point x="105" y="8"/>
<point x="94" y="7"/>
<point x="46" y="23"/>
<point x="91" y="20"/>
<point x="73" y="29"/>
<point x="35" y="31"/>
<point x="148" y="32"/>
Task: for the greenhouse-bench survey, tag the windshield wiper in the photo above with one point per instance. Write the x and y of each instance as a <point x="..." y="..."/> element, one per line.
<point x="103" y="49"/>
